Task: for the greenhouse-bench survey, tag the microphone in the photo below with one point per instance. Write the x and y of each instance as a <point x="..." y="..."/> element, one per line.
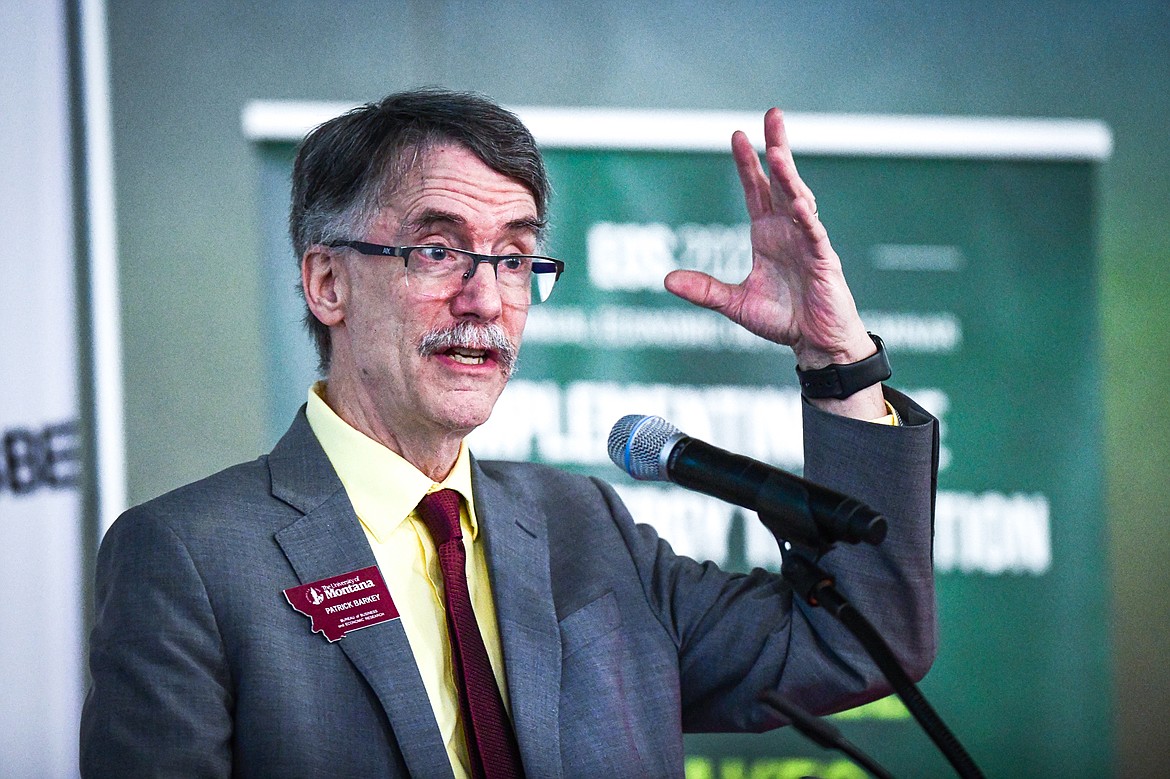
<point x="794" y="509"/>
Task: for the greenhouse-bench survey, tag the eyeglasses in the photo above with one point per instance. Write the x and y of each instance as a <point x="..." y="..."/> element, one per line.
<point x="440" y="271"/>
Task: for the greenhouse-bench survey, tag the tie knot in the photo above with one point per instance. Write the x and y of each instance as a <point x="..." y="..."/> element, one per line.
<point x="440" y="513"/>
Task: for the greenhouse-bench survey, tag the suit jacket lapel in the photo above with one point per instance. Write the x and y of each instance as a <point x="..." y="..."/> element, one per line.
<point x="517" y="553"/>
<point x="327" y="541"/>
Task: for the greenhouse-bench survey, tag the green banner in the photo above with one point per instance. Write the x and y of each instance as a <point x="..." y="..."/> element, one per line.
<point x="980" y="276"/>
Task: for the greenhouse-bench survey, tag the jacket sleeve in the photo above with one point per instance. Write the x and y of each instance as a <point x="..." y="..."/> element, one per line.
<point x="738" y="634"/>
<point x="894" y="470"/>
<point x="160" y="700"/>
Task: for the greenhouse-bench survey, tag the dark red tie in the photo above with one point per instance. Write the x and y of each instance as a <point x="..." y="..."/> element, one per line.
<point x="491" y="743"/>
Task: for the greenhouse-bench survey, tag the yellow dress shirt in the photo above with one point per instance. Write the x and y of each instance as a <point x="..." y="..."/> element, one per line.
<point x="384" y="490"/>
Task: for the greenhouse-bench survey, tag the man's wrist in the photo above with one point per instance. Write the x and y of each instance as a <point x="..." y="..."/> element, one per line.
<point x="840" y="381"/>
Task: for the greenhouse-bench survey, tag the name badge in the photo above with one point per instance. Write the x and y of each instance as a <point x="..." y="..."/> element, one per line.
<point x="341" y="604"/>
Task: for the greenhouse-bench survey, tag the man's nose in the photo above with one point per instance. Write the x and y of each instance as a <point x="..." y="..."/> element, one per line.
<point x="480" y="295"/>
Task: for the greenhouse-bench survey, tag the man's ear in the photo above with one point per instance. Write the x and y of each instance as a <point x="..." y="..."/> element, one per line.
<point x="324" y="281"/>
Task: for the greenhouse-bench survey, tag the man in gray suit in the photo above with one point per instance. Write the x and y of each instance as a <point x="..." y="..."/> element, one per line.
<point x="601" y="645"/>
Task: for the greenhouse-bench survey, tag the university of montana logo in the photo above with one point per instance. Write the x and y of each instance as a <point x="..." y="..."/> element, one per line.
<point x="340" y="604"/>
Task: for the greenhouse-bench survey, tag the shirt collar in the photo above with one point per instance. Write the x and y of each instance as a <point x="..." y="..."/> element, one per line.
<point x="383" y="487"/>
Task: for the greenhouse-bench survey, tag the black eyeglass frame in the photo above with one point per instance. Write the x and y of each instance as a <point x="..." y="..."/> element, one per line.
<point x="379" y="250"/>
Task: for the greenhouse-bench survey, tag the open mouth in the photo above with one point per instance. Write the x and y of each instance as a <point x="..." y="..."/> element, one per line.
<point x="471" y="344"/>
<point x="468" y="356"/>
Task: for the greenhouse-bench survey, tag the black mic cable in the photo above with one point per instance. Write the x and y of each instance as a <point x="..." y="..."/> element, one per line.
<point x="823" y="733"/>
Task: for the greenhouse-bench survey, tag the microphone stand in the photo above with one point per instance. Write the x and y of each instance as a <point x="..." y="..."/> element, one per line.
<point x="816" y="587"/>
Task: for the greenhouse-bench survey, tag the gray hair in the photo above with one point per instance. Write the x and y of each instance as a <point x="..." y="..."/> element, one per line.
<point x="348" y="168"/>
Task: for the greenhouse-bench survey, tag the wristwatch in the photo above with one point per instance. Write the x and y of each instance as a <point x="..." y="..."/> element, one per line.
<point x="841" y="381"/>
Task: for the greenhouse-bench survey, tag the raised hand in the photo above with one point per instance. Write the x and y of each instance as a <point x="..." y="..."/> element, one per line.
<point x="796" y="292"/>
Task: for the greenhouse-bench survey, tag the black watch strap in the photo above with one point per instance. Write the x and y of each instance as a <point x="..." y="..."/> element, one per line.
<point x="841" y="381"/>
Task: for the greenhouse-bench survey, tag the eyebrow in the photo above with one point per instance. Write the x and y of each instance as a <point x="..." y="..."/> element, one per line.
<point x="432" y="217"/>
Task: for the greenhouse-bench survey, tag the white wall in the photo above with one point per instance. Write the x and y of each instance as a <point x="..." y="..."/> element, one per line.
<point x="40" y="505"/>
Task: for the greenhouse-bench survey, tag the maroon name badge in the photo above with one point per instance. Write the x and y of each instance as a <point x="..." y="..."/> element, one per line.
<point x="344" y="603"/>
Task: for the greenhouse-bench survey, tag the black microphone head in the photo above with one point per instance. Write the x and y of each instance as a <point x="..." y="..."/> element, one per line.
<point x="639" y="445"/>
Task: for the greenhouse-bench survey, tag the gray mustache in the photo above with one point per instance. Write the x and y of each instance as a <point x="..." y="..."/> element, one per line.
<point x="469" y="335"/>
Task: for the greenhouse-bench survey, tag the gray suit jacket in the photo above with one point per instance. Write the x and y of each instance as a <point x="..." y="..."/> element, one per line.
<point x="613" y="645"/>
